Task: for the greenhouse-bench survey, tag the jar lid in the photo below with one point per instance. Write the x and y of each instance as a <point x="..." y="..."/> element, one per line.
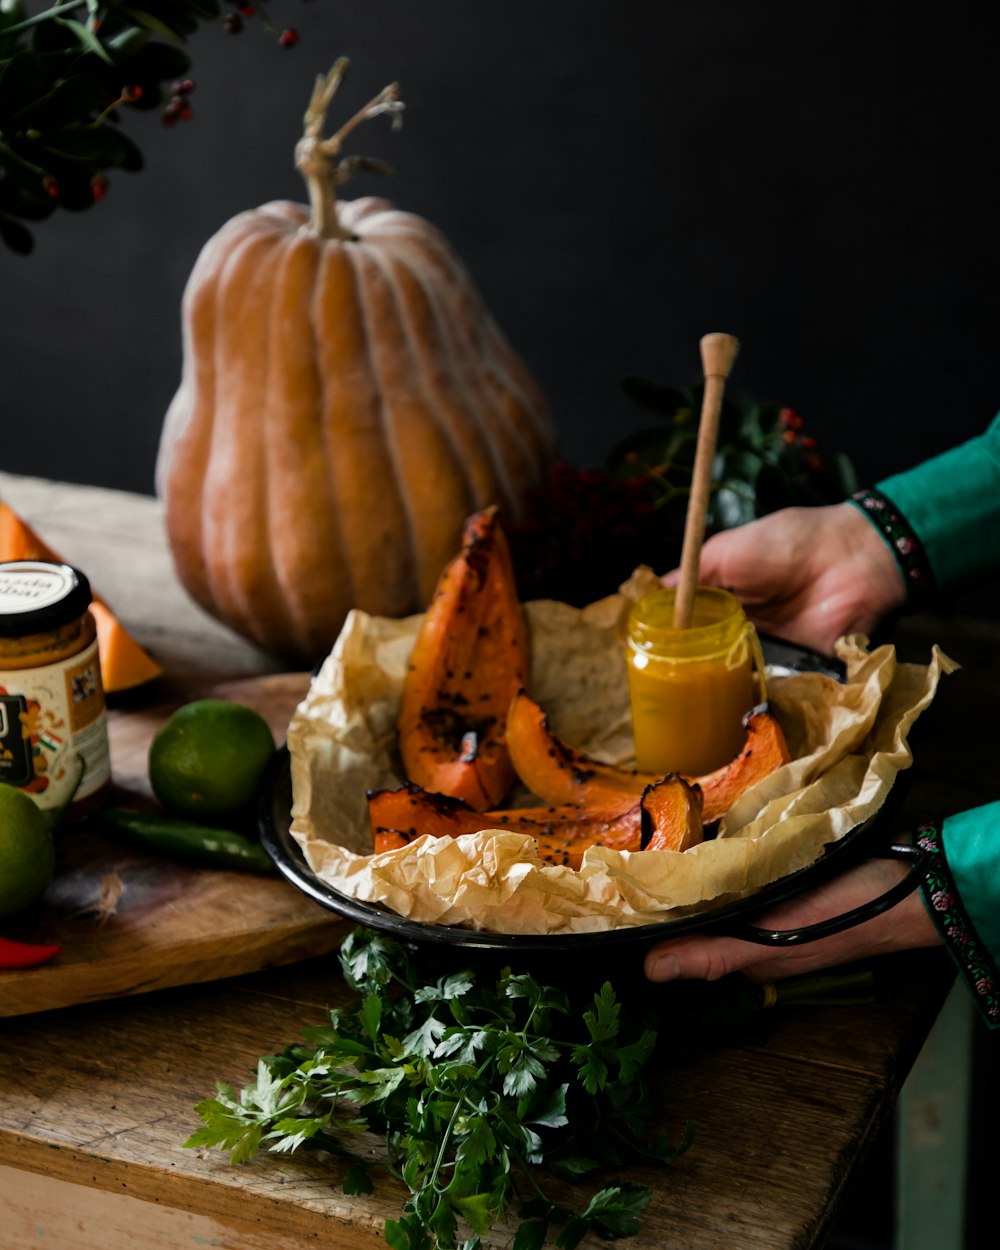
<point x="39" y="595"/>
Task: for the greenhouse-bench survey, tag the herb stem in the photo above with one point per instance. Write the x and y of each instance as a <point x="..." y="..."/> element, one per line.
<point x="56" y="11"/>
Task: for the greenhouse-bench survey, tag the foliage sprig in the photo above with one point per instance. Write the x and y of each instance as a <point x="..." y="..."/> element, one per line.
<point x="69" y="72"/>
<point x="474" y="1085"/>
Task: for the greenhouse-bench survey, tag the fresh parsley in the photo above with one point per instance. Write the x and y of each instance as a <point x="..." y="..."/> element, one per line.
<point x="475" y="1081"/>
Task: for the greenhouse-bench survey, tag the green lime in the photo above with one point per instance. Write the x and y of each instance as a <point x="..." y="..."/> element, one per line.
<point x="27" y="851"/>
<point x="208" y="758"/>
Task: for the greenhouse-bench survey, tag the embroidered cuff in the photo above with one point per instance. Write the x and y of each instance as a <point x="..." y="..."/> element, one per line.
<point x="974" y="961"/>
<point x="911" y="556"/>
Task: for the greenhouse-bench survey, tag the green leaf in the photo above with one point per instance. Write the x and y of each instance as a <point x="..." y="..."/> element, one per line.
<point x="634" y="1057"/>
<point x="476" y="1210"/>
<point x="71" y="100"/>
<point x="99" y="146"/>
<point x="356" y="1180"/>
<point x="530" y="1235"/>
<point x="552" y="1112"/>
<point x="423" y="1041"/>
<point x="22" y="81"/>
<point x="88" y="41"/>
<point x="572" y="1166"/>
<point x="616" y="1211"/>
<point x="451" y="987"/>
<point x="593" y="1071"/>
<point x="368" y="957"/>
<point x="151" y="22"/>
<point x="602" y="1022"/>
<point x="478" y="1143"/>
<point x="371" y="1015"/>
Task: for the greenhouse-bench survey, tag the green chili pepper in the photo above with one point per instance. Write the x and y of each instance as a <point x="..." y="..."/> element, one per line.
<point x="203" y="844"/>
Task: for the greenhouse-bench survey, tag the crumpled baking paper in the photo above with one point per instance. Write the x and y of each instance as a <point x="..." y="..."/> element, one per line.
<point x="848" y="741"/>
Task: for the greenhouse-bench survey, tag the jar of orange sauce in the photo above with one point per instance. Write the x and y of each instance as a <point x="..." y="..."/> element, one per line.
<point x="53" y="721"/>
<point x="690" y="688"/>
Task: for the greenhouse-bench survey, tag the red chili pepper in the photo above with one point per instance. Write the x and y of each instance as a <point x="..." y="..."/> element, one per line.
<point x="24" y="954"/>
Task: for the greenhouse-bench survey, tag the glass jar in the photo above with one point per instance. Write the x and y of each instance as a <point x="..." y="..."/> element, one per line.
<point x="691" y="688"/>
<point x="53" y="721"/>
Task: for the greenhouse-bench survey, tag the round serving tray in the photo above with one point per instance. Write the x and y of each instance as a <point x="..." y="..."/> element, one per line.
<point x="732" y="918"/>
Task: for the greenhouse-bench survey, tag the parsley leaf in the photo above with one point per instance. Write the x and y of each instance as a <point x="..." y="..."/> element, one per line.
<point x="474" y="1083"/>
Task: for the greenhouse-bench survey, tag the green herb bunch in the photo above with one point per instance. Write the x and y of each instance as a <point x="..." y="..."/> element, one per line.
<point x="585" y="530"/>
<point x="474" y="1084"/>
<point x="69" y="72"/>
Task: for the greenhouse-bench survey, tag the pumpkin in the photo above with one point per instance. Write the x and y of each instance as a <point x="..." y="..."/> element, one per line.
<point x="559" y="773"/>
<point x="124" y="664"/>
<point x="346" y="401"/>
<point x="469" y="659"/>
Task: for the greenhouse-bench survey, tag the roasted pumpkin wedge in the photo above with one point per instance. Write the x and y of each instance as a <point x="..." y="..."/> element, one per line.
<point x="563" y="832"/>
<point x="124" y="663"/>
<point x="559" y="773"/>
<point x="469" y="660"/>
<point x="671" y="815"/>
<point x="670" y="812"/>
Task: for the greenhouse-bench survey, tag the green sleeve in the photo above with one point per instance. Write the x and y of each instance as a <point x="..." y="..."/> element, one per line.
<point x="952" y="506"/>
<point x="962" y="891"/>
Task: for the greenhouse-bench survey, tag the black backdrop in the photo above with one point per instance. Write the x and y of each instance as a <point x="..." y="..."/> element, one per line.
<point x="620" y="176"/>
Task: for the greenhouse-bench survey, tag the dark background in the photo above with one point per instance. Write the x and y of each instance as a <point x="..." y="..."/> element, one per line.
<point x="620" y="177"/>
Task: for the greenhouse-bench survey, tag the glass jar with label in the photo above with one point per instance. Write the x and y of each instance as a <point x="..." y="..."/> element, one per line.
<point x="691" y="688"/>
<point x="53" y="721"/>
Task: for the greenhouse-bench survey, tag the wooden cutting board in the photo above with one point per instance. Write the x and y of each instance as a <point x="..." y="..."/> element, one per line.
<point x="130" y="921"/>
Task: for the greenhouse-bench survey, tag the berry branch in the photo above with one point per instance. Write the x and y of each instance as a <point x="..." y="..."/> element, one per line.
<point x="67" y="76"/>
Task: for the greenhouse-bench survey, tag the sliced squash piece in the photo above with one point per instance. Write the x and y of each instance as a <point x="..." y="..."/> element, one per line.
<point x="671" y="815"/>
<point x="764" y="750"/>
<point x="562" y="833"/>
<point x="469" y="660"/>
<point x="124" y="663"/>
<point x="559" y="773"/>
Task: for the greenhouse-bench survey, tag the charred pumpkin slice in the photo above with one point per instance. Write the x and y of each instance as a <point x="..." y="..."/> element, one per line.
<point x="669" y="812"/>
<point x="469" y="660"/>
<point x="563" y="833"/>
<point x="671" y="815"/>
<point x="559" y="773"/>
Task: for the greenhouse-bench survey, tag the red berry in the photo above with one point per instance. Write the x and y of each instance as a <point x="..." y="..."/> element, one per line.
<point x="51" y="186"/>
<point x="288" y="38"/>
<point x="789" y="419"/>
<point x="99" y="186"/>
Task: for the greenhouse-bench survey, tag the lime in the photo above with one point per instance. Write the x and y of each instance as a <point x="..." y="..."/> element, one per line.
<point x="208" y="758"/>
<point x="27" y="851"/>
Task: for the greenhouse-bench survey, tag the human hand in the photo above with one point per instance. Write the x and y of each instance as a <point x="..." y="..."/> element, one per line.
<point x="808" y="575"/>
<point x="903" y="927"/>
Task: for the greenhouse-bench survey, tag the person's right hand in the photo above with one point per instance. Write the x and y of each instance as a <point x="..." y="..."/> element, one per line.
<point x="808" y="575"/>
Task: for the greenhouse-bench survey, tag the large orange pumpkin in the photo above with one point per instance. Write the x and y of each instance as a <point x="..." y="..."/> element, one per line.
<point x="346" y="402"/>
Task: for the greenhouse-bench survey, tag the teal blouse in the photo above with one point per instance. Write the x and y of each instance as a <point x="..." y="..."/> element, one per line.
<point x="942" y="522"/>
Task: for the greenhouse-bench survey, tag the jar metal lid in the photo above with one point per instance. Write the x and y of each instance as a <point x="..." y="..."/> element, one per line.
<point x="39" y="595"/>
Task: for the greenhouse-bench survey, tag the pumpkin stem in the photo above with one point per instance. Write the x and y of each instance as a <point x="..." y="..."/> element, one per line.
<point x="318" y="160"/>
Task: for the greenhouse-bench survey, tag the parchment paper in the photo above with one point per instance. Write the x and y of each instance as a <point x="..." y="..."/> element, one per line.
<point x="848" y="741"/>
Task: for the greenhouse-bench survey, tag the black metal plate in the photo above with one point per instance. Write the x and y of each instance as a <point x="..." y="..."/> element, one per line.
<point x="275" y="823"/>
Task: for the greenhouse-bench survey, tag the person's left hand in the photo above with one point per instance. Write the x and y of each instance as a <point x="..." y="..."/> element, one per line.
<point x="903" y="927"/>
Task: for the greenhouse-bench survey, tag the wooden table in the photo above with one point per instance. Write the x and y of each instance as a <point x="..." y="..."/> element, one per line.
<point x="96" y="1100"/>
